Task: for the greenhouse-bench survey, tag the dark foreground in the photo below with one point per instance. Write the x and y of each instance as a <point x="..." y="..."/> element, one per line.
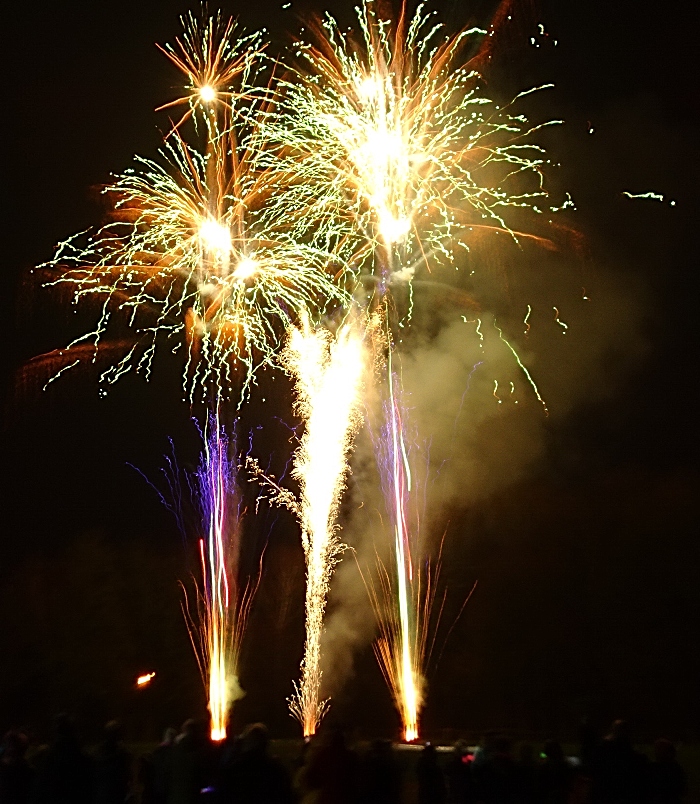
<point x="186" y="768"/>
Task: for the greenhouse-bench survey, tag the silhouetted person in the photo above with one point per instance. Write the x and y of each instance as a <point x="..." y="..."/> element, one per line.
<point x="113" y="768"/>
<point x="253" y="776"/>
<point x="621" y="774"/>
<point x="329" y="775"/>
<point x="458" y="775"/>
<point x="64" y="772"/>
<point x="667" y="778"/>
<point x="16" y="776"/>
<point x="589" y="746"/>
<point x="527" y="774"/>
<point x="497" y="775"/>
<point x="155" y="770"/>
<point x="554" y="775"/>
<point x="431" y="780"/>
<point x="189" y="771"/>
<point x="381" y="777"/>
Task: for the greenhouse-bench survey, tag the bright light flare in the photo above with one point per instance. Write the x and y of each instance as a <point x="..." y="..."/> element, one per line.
<point x="328" y="372"/>
<point x="207" y="93"/>
<point x="246" y="268"/>
<point x="215" y="236"/>
<point x="144" y="680"/>
<point x="392" y="230"/>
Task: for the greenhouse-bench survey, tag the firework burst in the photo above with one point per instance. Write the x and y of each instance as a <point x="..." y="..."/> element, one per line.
<point x="410" y="155"/>
<point x="203" y="252"/>
<point x="218" y="66"/>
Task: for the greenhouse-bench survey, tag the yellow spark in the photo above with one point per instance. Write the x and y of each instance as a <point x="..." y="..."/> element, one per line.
<point x="202" y="255"/>
<point x="141" y="681"/>
<point x="523" y="368"/>
<point x="390" y="144"/>
<point x="328" y="371"/>
<point x="217" y="63"/>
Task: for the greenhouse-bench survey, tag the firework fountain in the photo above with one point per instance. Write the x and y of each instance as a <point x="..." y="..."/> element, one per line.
<point x="371" y="161"/>
<point x="390" y="144"/>
<point x="204" y="252"/>
<point x="328" y="371"/>
<point x="222" y="606"/>
<point x="402" y="636"/>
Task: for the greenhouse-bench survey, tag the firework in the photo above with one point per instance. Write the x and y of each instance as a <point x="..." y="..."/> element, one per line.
<point x="203" y="252"/>
<point x="410" y="157"/>
<point x="328" y="371"/>
<point x="402" y="664"/>
<point x="219" y="66"/>
<point x="390" y="144"/>
<point x="217" y="625"/>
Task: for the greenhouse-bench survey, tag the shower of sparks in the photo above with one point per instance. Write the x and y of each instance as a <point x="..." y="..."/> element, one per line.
<point x="203" y="252"/>
<point x="400" y="648"/>
<point x="217" y="65"/>
<point x="392" y="147"/>
<point x="218" y="624"/>
<point x="328" y="371"/>
<point x="389" y="144"/>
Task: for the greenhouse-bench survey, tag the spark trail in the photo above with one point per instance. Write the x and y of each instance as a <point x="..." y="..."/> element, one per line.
<point x="328" y="372"/>
<point x="222" y="602"/>
<point x="401" y="644"/>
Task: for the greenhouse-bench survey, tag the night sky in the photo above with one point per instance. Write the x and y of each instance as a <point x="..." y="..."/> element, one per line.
<point x="580" y="528"/>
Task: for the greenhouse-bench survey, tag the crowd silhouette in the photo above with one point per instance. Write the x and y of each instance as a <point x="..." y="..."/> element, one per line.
<point x="186" y="768"/>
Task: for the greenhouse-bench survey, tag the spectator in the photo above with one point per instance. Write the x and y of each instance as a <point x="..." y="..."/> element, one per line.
<point x="381" y="778"/>
<point x="497" y="777"/>
<point x="64" y="772"/>
<point x="667" y="777"/>
<point x="190" y="765"/>
<point x="329" y="775"/>
<point x="113" y="768"/>
<point x="431" y="781"/>
<point x="554" y="776"/>
<point x="620" y="774"/>
<point x="16" y="776"/>
<point x="253" y="776"/>
<point x="156" y="771"/>
<point x="458" y="774"/>
<point x="527" y="774"/>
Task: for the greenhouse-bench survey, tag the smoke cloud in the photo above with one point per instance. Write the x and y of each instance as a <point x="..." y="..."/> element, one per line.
<point x="478" y="423"/>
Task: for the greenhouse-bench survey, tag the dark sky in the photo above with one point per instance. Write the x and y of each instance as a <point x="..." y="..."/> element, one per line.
<point x="588" y="600"/>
